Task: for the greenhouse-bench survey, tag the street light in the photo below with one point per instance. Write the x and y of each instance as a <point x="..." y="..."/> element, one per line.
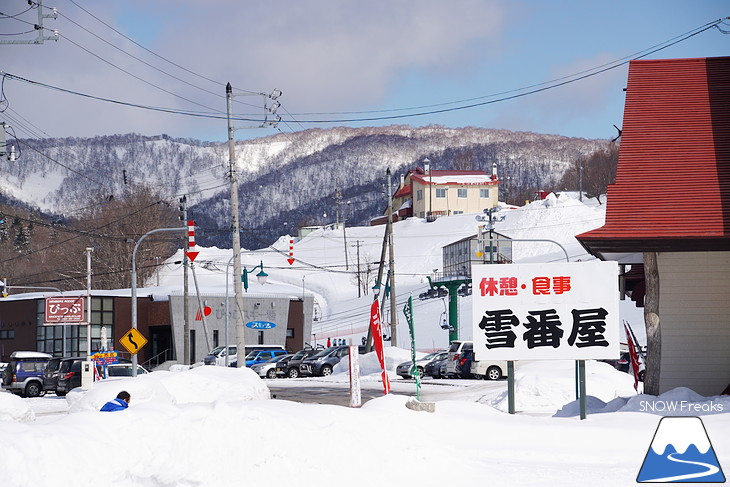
<point x="427" y="167"/>
<point x="134" y="283"/>
<point x="261" y="276"/>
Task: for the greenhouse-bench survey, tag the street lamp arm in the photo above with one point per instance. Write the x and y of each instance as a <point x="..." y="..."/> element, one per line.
<point x="134" y="282"/>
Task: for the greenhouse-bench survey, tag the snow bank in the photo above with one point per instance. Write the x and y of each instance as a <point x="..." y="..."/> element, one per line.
<point x="178" y="386"/>
<point x="370" y="365"/>
<point x="14" y="409"/>
<point x="546" y="386"/>
<point x="676" y="402"/>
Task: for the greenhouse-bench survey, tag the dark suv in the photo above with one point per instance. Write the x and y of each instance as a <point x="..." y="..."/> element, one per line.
<point x="50" y="374"/>
<point x="24" y="373"/>
<point x="323" y="362"/>
<point x="291" y="368"/>
<point x="69" y="375"/>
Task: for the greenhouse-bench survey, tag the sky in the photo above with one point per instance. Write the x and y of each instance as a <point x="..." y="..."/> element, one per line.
<point x="343" y="63"/>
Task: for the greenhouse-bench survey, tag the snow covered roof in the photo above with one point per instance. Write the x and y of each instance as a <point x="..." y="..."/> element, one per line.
<point x="443" y="177"/>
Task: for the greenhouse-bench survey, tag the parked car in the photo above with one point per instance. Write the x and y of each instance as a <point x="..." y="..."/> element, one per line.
<point x="291" y="367"/>
<point x="489" y="369"/>
<point x="323" y="362"/>
<point x="69" y="375"/>
<point x="268" y="369"/>
<point x="260" y="356"/>
<point x="24" y="373"/>
<point x="121" y="369"/>
<point x="217" y="356"/>
<point x="404" y="369"/>
<point x="50" y="374"/>
<point x="456" y="349"/>
<point x="433" y="368"/>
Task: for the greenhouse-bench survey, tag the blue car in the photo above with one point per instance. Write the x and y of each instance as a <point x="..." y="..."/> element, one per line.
<point x="260" y="356"/>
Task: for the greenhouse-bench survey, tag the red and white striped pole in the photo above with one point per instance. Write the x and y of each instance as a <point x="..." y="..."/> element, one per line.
<point x="191" y="241"/>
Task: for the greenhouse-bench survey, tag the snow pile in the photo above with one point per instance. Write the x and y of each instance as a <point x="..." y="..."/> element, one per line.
<point x="178" y="386"/>
<point x="370" y="365"/>
<point x="14" y="409"/>
<point x="545" y="386"/>
<point x="676" y="402"/>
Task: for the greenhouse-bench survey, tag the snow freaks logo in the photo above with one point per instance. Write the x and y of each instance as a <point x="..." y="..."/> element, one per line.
<point x="680" y="452"/>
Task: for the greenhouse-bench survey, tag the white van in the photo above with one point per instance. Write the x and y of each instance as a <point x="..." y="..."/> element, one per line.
<point x="217" y="356"/>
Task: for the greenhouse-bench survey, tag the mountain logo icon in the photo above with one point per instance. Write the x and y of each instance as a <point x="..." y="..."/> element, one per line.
<point x="680" y="452"/>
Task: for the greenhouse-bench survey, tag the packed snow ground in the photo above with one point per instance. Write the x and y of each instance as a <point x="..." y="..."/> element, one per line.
<point x="212" y="426"/>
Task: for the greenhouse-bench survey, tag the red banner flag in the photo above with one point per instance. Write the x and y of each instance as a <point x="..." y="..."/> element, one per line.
<point x="378" y="342"/>
<point x="633" y="355"/>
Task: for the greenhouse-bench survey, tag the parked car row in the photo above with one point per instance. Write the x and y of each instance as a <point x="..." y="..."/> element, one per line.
<point x="457" y="362"/>
<point x="32" y="374"/>
<point x="308" y="362"/>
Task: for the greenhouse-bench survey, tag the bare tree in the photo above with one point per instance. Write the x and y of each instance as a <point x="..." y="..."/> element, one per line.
<point x="598" y="172"/>
<point x="464" y="161"/>
<point x="118" y="224"/>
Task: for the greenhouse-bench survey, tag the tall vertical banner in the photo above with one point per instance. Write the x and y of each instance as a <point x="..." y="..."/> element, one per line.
<point x="378" y="342"/>
<point x="546" y="311"/>
<point x="633" y="355"/>
<point x="408" y="311"/>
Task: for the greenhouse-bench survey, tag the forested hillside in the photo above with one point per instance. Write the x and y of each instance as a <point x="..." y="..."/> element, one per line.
<point x="91" y="186"/>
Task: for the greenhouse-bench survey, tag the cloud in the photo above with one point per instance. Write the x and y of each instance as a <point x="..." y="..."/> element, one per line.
<point x="324" y="56"/>
<point x="574" y="103"/>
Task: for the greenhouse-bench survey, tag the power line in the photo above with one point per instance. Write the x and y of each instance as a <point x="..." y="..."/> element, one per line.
<point x="537" y="89"/>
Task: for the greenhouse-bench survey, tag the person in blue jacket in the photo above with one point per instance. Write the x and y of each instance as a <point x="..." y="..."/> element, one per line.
<point x="119" y="404"/>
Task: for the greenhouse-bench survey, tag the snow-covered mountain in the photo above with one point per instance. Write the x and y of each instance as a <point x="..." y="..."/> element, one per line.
<point x="286" y="180"/>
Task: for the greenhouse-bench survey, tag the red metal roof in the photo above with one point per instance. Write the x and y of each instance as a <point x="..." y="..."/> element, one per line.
<point x="673" y="178"/>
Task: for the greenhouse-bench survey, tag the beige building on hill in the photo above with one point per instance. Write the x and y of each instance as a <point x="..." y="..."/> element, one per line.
<point x="433" y="193"/>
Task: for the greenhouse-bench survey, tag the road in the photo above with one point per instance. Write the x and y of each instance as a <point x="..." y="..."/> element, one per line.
<point x="310" y="391"/>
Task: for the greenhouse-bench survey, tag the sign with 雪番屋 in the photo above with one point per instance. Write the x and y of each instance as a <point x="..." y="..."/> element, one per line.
<point x="546" y="311"/>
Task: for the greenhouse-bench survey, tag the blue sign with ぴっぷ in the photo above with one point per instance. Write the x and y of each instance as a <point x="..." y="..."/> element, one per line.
<point x="261" y="325"/>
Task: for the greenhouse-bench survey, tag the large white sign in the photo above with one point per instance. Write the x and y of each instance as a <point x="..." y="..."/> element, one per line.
<point x="546" y="311"/>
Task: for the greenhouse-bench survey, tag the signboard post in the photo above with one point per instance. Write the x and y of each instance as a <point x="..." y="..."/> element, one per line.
<point x="64" y="310"/>
<point x="354" y="364"/>
<point x="546" y="312"/>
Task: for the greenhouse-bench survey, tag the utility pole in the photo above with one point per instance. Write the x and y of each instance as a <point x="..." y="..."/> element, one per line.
<point x="580" y="178"/>
<point x="88" y="304"/>
<point x="39" y="26"/>
<point x="359" y="276"/>
<point x="235" y="228"/>
<point x="391" y="267"/>
<point x="427" y="168"/>
<point x="344" y="235"/>
<point x="186" y="293"/>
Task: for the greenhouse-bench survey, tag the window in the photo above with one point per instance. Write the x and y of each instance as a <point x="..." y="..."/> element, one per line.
<point x="461" y="193"/>
<point x="441" y="192"/>
<point x="484" y="193"/>
<point x="215" y="338"/>
<point x="290" y="332"/>
<point x="419" y="195"/>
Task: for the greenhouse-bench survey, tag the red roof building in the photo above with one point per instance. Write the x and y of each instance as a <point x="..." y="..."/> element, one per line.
<point x="670" y="206"/>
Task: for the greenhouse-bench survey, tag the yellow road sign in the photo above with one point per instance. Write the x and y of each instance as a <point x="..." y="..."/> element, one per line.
<point x="133" y="340"/>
